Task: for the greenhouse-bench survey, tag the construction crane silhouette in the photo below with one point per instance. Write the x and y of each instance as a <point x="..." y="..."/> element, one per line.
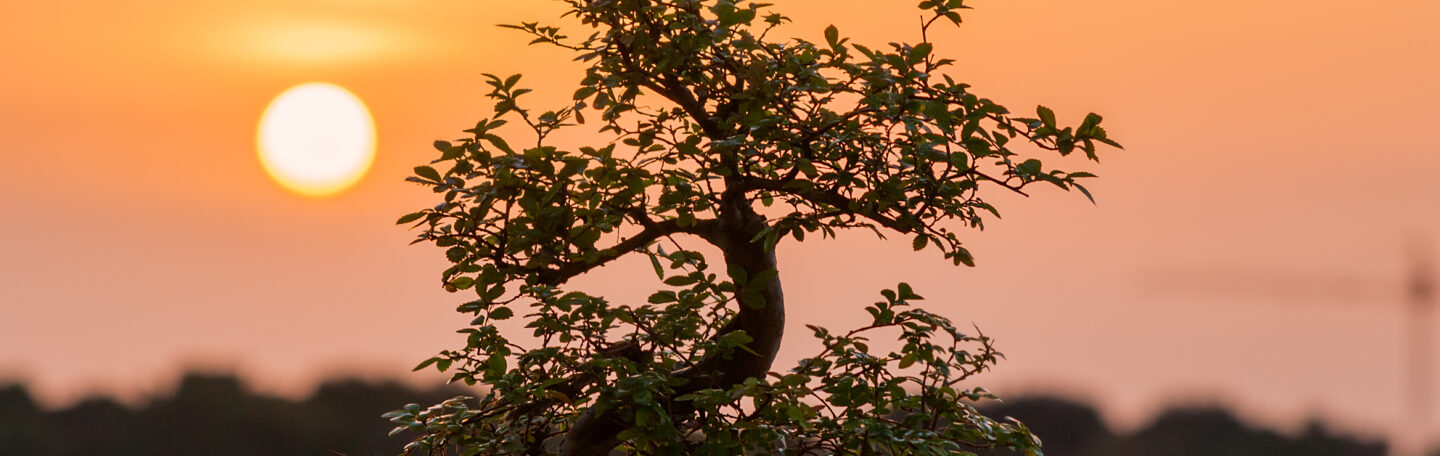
<point x="1418" y="287"/>
<point x="1421" y="307"/>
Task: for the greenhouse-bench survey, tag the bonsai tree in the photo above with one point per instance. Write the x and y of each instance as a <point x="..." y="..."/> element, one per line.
<point x="717" y="141"/>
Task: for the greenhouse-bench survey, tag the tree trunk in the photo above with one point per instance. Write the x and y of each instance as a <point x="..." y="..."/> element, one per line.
<point x="595" y="434"/>
<point x="763" y="321"/>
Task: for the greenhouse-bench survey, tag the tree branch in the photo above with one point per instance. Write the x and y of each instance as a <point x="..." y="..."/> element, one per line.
<point x="653" y="230"/>
<point x="810" y="192"/>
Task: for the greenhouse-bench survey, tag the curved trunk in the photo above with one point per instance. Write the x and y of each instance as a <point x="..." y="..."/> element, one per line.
<point x="763" y="319"/>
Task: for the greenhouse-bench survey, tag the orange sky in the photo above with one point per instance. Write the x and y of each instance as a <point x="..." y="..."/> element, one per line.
<point x="1279" y="139"/>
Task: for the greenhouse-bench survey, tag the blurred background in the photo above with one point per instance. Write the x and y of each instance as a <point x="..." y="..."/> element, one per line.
<point x="1260" y="251"/>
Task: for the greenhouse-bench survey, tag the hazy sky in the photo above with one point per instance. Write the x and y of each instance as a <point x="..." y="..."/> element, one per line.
<point x="1248" y="246"/>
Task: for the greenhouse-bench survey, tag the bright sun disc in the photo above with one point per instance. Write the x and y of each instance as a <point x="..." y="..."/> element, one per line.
<point x="316" y="139"/>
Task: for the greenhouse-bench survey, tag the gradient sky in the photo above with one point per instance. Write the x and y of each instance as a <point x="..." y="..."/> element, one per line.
<point x="1247" y="247"/>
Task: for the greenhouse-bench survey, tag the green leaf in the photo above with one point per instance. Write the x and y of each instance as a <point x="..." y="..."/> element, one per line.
<point x="494" y="292"/>
<point x="1046" y="116"/>
<point x="574" y="166"/>
<point x="908" y="360"/>
<point x="763" y="277"/>
<point x="1084" y="191"/>
<point x="680" y="281"/>
<point x="462" y="283"/>
<point x="427" y="172"/>
<point x="921" y="240"/>
<point x="655" y="262"/>
<point x="1031" y="167"/>
<point x="919" y="53"/>
<point x="963" y="256"/>
<point x="499" y="143"/>
<point x="906" y="293"/>
<point x="495" y="366"/>
<point x="735" y="339"/>
<point x="426" y="363"/>
<point x="413" y="216"/>
<point x="501" y="313"/>
<point x="752" y="297"/>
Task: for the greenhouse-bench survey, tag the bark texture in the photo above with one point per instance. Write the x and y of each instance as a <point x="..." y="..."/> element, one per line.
<point x="595" y="431"/>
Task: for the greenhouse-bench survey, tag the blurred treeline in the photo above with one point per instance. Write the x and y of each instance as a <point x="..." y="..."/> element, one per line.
<point x="214" y="415"/>
<point x="1073" y="429"/>
<point x="217" y="415"/>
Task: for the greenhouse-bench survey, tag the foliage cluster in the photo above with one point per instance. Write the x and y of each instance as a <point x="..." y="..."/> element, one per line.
<point x="719" y="138"/>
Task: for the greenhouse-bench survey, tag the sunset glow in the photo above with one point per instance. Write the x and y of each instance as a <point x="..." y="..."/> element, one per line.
<point x="1248" y="247"/>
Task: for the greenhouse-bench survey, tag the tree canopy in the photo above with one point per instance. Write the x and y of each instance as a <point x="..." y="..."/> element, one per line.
<point x="716" y="136"/>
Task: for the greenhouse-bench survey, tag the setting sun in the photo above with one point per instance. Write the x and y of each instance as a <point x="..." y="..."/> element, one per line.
<point x="316" y="139"/>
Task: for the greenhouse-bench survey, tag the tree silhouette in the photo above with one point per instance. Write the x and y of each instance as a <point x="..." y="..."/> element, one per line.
<point x="1070" y="428"/>
<point x="718" y="138"/>
<point x="1075" y="429"/>
<point x="212" y="415"/>
<point x="19" y="421"/>
<point x="339" y="419"/>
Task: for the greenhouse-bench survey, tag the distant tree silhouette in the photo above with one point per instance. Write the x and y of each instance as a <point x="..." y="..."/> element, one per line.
<point x="216" y="415"/>
<point x="1214" y="431"/>
<point x="1200" y="431"/>
<point x="102" y="426"/>
<point x="1069" y="428"/>
<point x="22" y="428"/>
<point x="1318" y="440"/>
<point x="212" y="415"/>
<point x="1074" y="429"/>
<point x="344" y="408"/>
<point x="247" y="423"/>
